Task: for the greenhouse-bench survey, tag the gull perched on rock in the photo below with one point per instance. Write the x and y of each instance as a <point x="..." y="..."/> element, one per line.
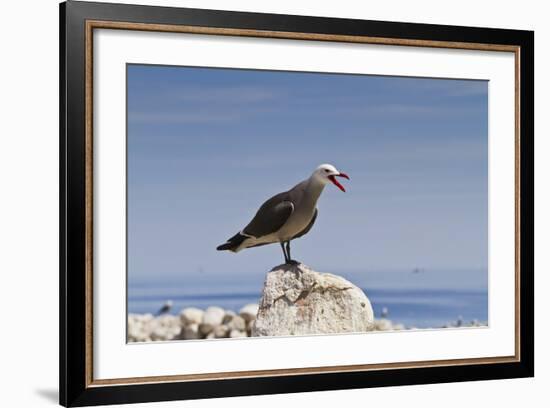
<point x="286" y="216"/>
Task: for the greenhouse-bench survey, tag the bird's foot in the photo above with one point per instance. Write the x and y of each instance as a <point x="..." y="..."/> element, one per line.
<point x="293" y="262"/>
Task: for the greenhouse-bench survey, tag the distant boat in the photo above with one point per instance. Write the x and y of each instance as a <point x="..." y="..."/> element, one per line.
<point x="165" y="308"/>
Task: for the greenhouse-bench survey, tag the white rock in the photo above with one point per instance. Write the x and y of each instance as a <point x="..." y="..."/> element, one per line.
<point x="137" y="330"/>
<point x="213" y="316"/>
<point x="168" y="320"/>
<point x="205" y="329"/>
<point x="383" y="325"/>
<point x="236" y="333"/>
<point x="297" y="301"/>
<point x="237" y="323"/>
<point x="249" y="326"/>
<point x="141" y="337"/>
<point x="220" y="331"/>
<point x="190" y="332"/>
<point x="249" y="312"/>
<point x="191" y="315"/>
<point x="165" y="327"/>
<point x="146" y="317"/>
<point x="229" y="315"/>
<point x="159" y="334"/>
<point x="136" y="333"/>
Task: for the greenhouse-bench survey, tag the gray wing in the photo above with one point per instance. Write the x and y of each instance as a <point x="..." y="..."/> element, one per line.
<point x="271" y="216"/>
<point x="306" y="229"/>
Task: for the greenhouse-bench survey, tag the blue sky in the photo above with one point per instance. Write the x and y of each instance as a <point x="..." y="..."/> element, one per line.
<point x="206" y="147"/>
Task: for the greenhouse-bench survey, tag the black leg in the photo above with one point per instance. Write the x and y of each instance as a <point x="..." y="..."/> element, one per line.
<point x="284" y="252"/>
<point x="290" y="260"/>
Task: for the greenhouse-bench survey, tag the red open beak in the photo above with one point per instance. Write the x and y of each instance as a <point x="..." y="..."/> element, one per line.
<point x="336" y="183"/>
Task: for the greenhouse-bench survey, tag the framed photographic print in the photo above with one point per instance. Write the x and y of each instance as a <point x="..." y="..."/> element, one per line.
<point x="256" y="203"/>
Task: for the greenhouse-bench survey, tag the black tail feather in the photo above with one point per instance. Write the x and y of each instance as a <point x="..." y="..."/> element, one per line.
<point x="232" y="243"/>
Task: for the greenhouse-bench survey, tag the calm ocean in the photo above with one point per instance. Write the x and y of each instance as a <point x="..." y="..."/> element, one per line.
<point x="415" y="298"/>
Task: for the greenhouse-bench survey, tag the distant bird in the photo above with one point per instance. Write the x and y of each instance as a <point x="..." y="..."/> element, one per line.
<point x="165" y="308"/>
<point x="286" y="216"/>
<point x="384" y="312"/>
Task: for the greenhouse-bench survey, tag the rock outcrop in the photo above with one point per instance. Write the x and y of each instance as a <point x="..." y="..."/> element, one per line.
<point x="299" y="301"/>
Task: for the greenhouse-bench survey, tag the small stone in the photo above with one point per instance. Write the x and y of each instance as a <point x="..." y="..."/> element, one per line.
<point x="146" y="317"/>
<point x="191" y="315"/>
<point x="190" y="332"/>
<point x="249" y="326"/>
<point x="236" y="333"/>
<point x="159" y="334"/>
<point x="383" y="325"/>
<point x="220" y="331"/>
<point x="137" y="333"/>
<point x="237" y="323"/>
<point x="205" y="329"/>
<point x="168" y="320"/>
<point x="162" y="328"/>
<point x="213" y="316"/>
<point x="229" y="315"/>
<point x="249" y="312"/>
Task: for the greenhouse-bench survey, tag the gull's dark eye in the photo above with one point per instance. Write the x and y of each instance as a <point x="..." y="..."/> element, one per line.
<point x="326" y="170"/>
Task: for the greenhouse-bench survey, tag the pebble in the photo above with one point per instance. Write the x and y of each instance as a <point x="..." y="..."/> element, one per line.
<point x="237" y="333"/>
<point x="220" y="331"/>
<point x="191" y="315"/>
<point x="249" y="312"/>
<point x="190" y="332"/>
<point x="213" y="317"/>
<point x="229" y="315"/>
<point x="237" y="323"/>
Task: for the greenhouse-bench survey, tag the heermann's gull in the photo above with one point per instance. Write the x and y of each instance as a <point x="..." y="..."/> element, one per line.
<point x="286" y="216"/>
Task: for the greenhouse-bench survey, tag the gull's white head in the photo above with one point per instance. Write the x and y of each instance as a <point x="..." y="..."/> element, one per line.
<point x="326" y="173"/>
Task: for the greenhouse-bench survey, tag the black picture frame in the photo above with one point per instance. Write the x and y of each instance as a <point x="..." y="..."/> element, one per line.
<point x="75" y="389"/>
